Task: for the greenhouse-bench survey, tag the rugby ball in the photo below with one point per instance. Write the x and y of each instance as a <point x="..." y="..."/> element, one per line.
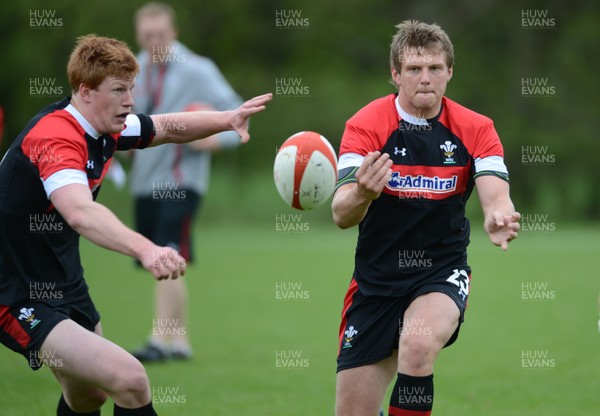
<point x="305" y="170"/>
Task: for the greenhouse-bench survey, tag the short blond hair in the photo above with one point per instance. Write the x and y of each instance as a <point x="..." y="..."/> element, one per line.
<point x="416" y="34"/>
<point x="95" y="58"/>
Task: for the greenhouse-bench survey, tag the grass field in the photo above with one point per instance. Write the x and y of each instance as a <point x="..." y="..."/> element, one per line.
<point x="240" y="327"/>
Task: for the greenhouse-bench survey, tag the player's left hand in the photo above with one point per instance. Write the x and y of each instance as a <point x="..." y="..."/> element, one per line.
<point x="502" y="229"/>
<point x="163" y="262"/>
<point x="240" y="116"/>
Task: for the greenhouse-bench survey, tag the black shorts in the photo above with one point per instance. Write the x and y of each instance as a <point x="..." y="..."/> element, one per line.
<point x="371" y="325"/>
<point x="24" y="328"/>
<point x="168" y="222"/>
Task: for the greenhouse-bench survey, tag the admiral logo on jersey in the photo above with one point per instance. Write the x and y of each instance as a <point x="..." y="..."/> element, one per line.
<point x="422" y="183"/>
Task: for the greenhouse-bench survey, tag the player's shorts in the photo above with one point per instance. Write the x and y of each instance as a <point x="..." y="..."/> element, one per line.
<point x="168" y="221"/>
<point x="24" y="328"/>
<point x="371" y="325"/>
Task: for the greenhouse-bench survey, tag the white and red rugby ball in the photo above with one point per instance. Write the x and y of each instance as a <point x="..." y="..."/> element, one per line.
<point x="305" y="170"/>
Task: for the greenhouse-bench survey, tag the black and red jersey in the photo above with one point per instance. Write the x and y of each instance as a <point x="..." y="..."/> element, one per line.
<point x="58" y="147"/>
<point x="417" y="228"/>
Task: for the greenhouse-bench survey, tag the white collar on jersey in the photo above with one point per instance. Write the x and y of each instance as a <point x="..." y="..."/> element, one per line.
<point x="82" y="121"/>
<point x="409" y="117"/>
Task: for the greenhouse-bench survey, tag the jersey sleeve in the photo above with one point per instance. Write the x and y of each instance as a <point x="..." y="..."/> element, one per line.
<point x="62" y="178"/>
<point x="138" y="133"/>
<point x="357" y="142"/>
<point x="489" y="154"/>
<point x="60" y="161"/>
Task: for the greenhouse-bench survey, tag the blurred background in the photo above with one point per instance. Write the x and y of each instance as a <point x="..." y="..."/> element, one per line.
<point x="530" y="66"/>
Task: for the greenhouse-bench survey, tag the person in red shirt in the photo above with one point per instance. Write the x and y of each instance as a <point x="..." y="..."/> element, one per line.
<point x="408" y="163"/>
<point x="49" y="180"/>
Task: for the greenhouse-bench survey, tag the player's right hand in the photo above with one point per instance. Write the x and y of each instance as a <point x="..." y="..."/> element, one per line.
<point x="164" y="263"/>
<point x="240" y="116"/>
<point x="372" y="175"/>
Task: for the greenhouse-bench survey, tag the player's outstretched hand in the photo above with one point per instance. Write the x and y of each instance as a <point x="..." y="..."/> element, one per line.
<point x="240" y="116"/>
<point x="502" y="229"/>
<point x="373" y="174"/>
<point x="164" y="263"/>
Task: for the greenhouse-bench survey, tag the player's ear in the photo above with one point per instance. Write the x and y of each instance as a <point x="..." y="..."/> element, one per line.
<point x="450" y="73"/>
<point x="395" y="76"/>
<point x="84" y="92"/>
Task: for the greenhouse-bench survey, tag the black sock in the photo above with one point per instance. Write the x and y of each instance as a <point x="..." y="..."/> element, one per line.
<point x="412" y="396"/>
<point x="147" y="410"/>
<point x="63" y="409"/>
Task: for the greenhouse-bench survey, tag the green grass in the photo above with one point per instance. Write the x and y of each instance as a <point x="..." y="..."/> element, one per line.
<point x="237" y="326"/>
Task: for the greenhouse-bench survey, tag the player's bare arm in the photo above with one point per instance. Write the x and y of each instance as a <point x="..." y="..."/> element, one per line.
<point x="208" y="144"/>
<point x="99" y="225"/>
<point x="351" y="201"/>
<point x="501" y="221"/>
<point x="201" y="124"/>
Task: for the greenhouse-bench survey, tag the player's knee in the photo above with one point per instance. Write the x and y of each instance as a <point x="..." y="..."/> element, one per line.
<point x="132" y="382"/>
<point x="137" y="383"/>
<point x="86" y="403"/>
<point x="417" y="352"/>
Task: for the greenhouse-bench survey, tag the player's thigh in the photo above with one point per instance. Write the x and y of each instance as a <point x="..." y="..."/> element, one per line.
<point x="89" y="358"/>
<point x="74" y="388"/>
<point x="360" y="390"/>
<point x="98" y="330"/>
<point x="430" y="319"/>
<point x="367" y="356"/>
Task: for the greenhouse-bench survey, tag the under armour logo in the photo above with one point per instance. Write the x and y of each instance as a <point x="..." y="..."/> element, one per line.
<point x="401" y="151"/>
<point x="90" y="164"/>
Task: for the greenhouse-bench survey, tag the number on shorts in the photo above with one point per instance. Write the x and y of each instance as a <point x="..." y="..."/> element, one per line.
<point x="461" y="279"/>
